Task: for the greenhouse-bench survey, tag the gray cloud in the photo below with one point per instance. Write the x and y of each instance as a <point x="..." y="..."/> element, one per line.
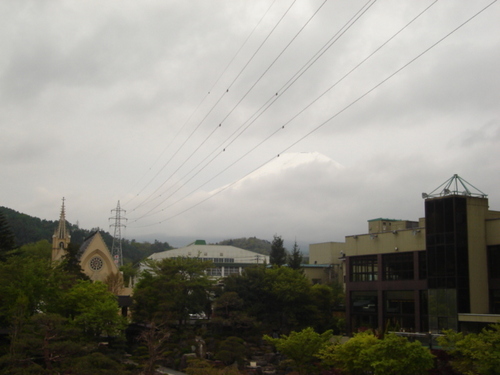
<point x="104" y="101"/>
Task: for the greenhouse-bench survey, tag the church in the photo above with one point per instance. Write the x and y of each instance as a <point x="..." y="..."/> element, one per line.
<point x="94" y="257"/>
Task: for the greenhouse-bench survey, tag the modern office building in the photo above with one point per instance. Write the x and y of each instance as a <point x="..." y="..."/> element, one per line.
<point x="440" y="272"/>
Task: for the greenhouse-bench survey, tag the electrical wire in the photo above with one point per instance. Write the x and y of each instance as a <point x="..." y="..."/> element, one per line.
<point x="333" y="116"/>
<point x="304" y="68"/>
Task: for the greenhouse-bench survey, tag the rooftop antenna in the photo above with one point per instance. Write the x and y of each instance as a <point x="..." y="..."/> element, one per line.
<point x="116" y="248"/>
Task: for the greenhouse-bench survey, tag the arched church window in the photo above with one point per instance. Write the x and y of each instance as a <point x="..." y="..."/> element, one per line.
<point x="96" y="263"/>
<point x="61" y="245"/>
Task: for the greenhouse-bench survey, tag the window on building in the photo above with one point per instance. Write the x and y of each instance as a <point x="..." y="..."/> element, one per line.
<point x="495" y="301"/>
<point x="422" y="265"/>
<point x="494" y="261"/>
<point x="399" y="309"/>
<point x="364" y="302"/>
<point x="398" y="266"/>
<point x="216" y="271"/>
<point x="231" y="271"/>
<point x="364" y="268"/>
<point x="399" y="302"/>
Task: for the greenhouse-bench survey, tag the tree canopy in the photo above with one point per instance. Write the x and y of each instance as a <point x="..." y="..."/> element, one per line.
<point x="302" y="348"/>
<point x="7" y="241"/>
<point x="55" y="321"/>
<point x="366" y="353"/>
<point x="178" y="287"/>
<point x="474" y="353"/>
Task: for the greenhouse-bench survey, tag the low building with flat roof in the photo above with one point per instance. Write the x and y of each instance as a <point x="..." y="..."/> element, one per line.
<point x="227" y="260"/>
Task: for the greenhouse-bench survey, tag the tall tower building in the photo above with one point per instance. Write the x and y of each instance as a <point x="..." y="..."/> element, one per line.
<point x="61" y="237"/>
<point x="456" y="253"/>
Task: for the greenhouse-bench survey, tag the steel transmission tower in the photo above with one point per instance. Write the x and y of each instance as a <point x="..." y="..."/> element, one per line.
<point x="116" y="249"/>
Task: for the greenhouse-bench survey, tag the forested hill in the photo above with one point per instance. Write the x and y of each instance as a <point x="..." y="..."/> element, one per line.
<point x="251" y="243"/>
<point x="29" y="229"/>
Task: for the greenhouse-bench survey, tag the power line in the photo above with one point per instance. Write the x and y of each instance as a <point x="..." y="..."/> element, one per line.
<point x="290" y="82"/>
<point x="330" y="118"/>
<point x="213" y="107"/>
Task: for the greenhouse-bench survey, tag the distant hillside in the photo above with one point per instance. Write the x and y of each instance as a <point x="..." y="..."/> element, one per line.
<point x="29" y="229"/>
<point x="251" y="243"/>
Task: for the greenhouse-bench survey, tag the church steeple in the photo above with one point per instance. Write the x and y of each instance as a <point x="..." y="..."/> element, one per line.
<point x="61" y="237"/>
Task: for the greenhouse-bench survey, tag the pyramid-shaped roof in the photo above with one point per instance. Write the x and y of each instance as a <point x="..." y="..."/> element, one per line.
<point x="455" y="186"/>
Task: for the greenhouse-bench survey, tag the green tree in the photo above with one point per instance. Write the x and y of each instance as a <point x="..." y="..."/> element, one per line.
<point x="302" y="348"/>
<point x="290" y="304"/>
<point x="249" y="287"/>
<point x="91" y="307"/>
<point x="295" y="259"/>
<point x="49" y="344"/>
<point x="323" y="299"/>
<point x="278" y="298"/>
<point x="7" y="241"/>
<point x="231" y="350"/>
<point x="474" y="353"/>
<point x="178" y="287"/>
<point x="129" y="272"/>
<point x="365" y="353"/>
<point x="277" y="257"/>
<point x="71" y="262"/>
<point x="228" y="315"/>
<point x="28" y="285"/>
<point x="155" y="338"/>
<point x="39" y="250"/>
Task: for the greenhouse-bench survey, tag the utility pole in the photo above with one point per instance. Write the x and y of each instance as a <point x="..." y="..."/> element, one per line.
<point x="116" y="249"/>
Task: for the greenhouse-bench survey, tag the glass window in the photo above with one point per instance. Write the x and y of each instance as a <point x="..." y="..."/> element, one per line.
<point x="422" y="265"/>
<point x="364" y="302"/>
<point x="399" y="302"/>
<point x="495" y="301"/>
<point x="231" y="271"/>
<point x="364" y="268"/>
<point x="217" y="271"/>
<point x="398" y="266"/>
<point x="494" y="261"/>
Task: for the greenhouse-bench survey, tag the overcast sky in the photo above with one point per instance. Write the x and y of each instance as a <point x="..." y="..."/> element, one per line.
<point x="179" y="110"/>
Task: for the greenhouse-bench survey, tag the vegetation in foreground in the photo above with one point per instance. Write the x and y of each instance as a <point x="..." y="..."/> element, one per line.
<point x="55" y="321"/>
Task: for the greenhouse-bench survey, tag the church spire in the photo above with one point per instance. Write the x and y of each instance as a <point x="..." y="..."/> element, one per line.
<point x="61" y="237"/>
<point x="61" y="229"/>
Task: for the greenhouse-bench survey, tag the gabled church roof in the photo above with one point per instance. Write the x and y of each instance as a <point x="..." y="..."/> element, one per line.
<point x="87" y="242"/>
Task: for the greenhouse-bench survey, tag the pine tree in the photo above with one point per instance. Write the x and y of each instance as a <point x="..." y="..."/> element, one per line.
<point x="278" y="252"/>
<point x="295" y="258"/>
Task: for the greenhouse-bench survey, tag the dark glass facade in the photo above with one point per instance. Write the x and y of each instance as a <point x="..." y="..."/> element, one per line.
<point x="398" y="266"/>
<point x="494" y="277"/>
<point x="447" y="260"/>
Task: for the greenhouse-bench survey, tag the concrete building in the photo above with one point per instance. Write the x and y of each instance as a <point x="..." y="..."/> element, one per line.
<point x="227" y="259"/>
<point x="326" y="261"/>
<point x="439" y="272"/>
